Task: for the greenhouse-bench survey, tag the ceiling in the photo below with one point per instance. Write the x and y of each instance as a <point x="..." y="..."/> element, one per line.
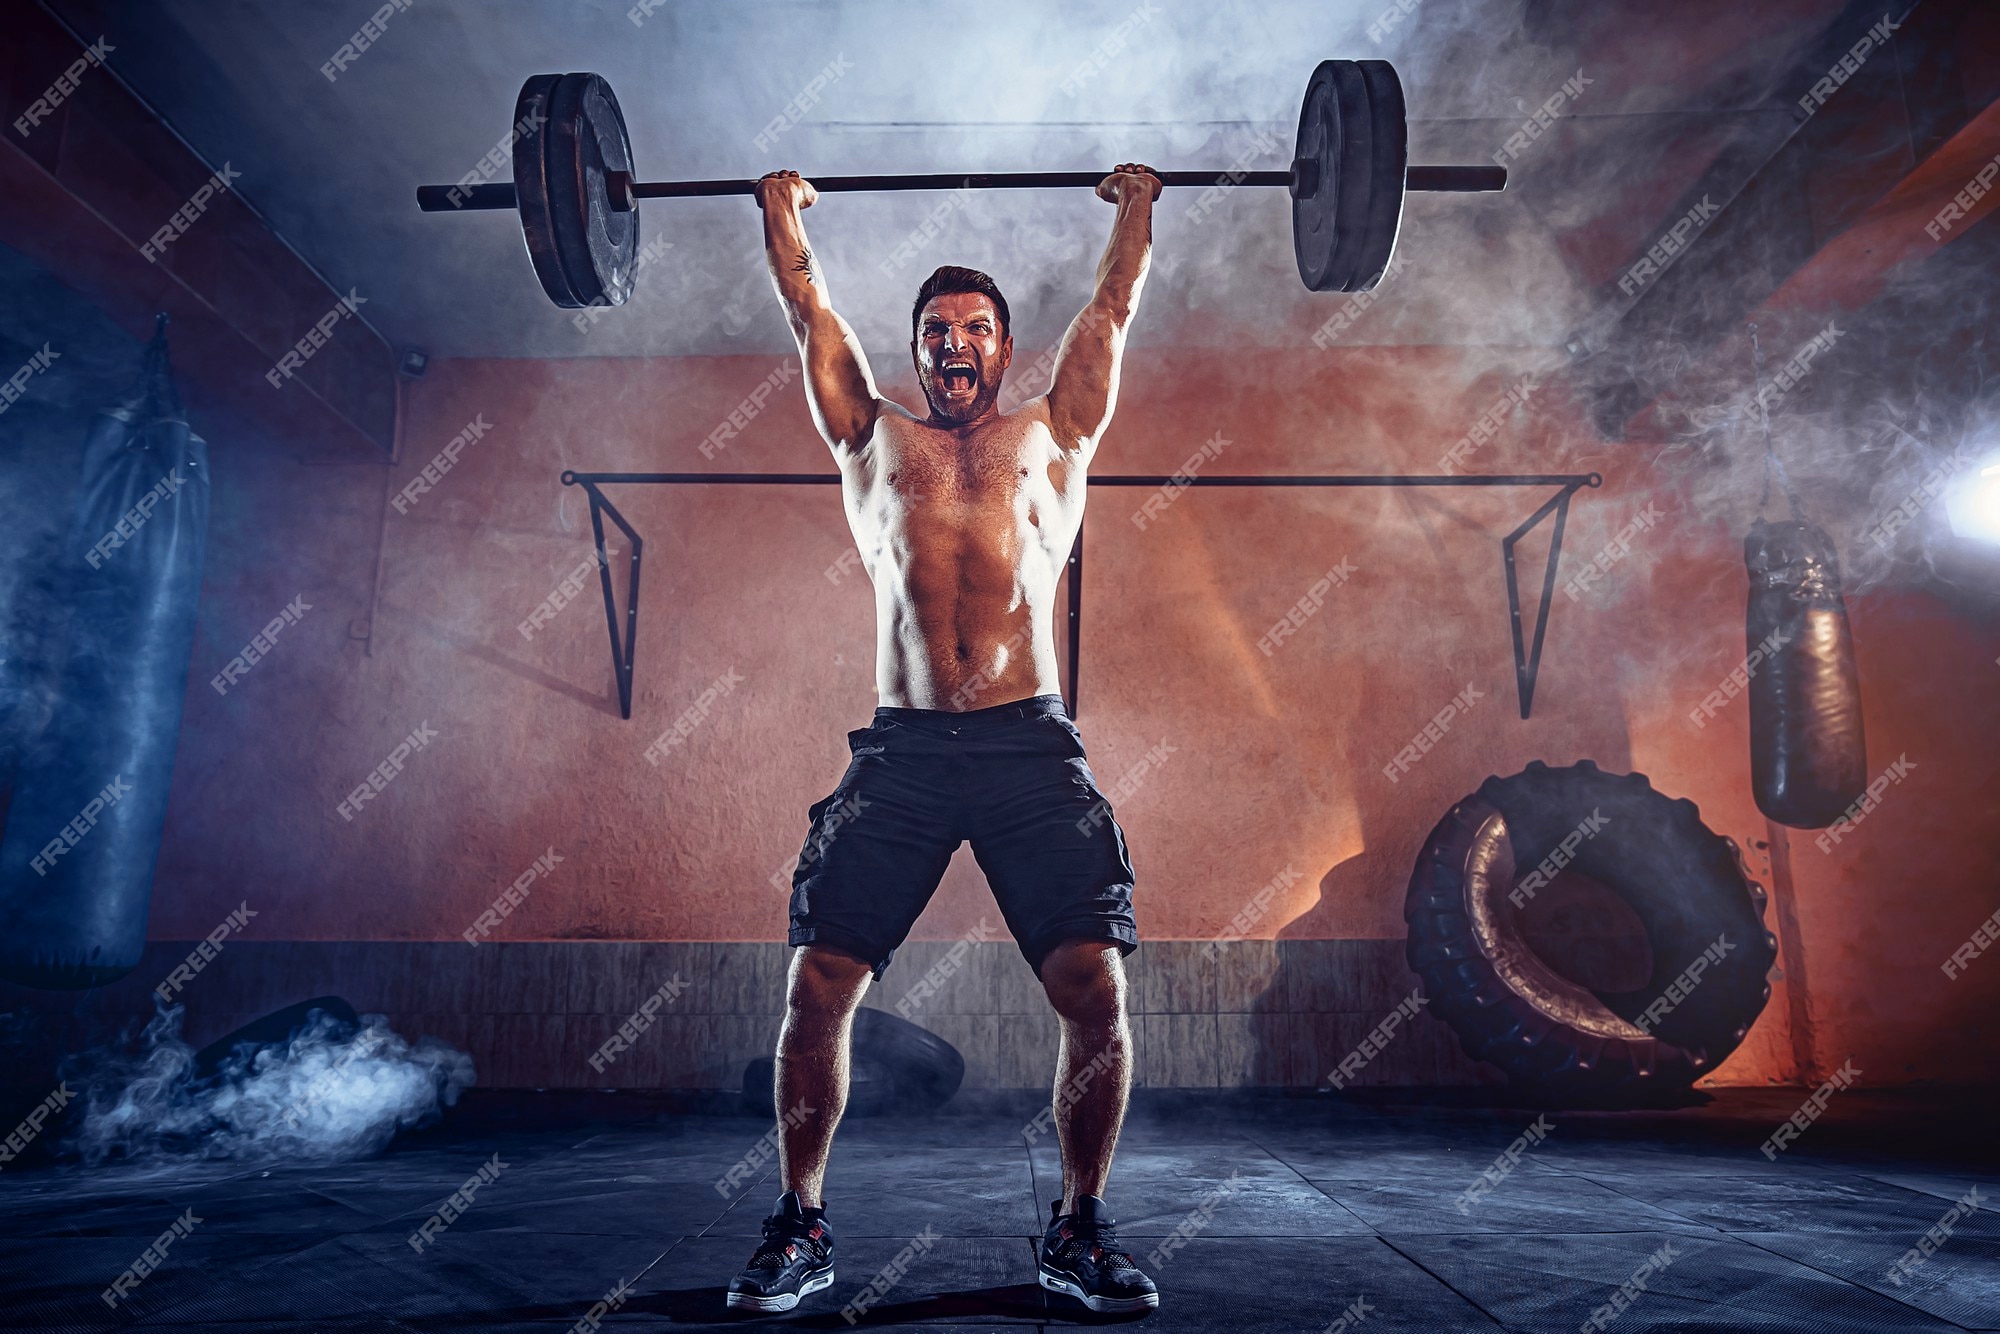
<point x="1679" y="97"/>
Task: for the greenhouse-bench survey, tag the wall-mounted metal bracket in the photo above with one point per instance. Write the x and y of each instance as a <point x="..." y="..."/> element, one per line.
<point x="1527" y="657"/>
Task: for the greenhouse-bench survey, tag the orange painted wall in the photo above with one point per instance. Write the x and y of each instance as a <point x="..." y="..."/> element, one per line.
<point x="1277" y="758"/>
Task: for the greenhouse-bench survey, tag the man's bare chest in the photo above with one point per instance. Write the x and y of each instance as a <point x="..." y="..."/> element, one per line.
<point x="1012" y="469"/>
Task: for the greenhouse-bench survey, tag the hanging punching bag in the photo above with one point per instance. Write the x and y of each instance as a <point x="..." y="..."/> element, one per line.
<point x="1808" y="762"/>
<point x="90" y="793"/>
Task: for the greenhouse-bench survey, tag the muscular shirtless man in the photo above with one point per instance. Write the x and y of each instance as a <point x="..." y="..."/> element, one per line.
<point x="963" y="517"/>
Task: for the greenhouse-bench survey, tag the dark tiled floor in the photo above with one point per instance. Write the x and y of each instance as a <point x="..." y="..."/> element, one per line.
<point x="1301" y="1208"/>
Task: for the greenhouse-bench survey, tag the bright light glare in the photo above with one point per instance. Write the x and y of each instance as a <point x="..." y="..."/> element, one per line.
<point x="1973" y="505"/>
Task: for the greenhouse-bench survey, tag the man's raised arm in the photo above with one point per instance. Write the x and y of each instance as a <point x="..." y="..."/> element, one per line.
<point x="1083" y="387"/>
<point x="838" y="384"/>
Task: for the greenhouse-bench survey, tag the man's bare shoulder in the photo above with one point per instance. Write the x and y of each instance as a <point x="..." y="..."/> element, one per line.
<point x="892" y="420"/>
<point x="1034" y="415"/>
<point x="891" y="408"/>
<point x="1029" y="417"/>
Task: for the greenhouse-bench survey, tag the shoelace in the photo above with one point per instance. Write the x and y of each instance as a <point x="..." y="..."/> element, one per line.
<point x="780" y="1233"/>
<point x="1104" y="1239"/>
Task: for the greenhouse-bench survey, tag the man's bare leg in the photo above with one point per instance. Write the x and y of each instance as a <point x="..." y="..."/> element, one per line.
<point x="824" y="989"/>
<point x="1085" y="981"/>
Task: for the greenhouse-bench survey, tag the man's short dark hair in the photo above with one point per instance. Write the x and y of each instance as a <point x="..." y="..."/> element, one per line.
<point x="949" y="279"/>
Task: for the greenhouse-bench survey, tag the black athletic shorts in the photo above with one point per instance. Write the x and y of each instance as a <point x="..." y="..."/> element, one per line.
<point x="1013" y="780"/>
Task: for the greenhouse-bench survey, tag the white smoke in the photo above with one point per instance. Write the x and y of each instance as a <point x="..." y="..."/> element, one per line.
<point x="331" y="1091"/>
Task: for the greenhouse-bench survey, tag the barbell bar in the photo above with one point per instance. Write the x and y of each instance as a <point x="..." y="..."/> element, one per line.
<point x="622" y="190"/>
<point x="574" y="189"/>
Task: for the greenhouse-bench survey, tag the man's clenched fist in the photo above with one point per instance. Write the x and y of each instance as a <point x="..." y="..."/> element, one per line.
<point x="1128" y="176"/>
<point x="781" y="186"/>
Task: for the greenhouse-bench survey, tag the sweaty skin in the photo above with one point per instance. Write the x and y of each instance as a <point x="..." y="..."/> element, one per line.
<point x="965" y="515"/>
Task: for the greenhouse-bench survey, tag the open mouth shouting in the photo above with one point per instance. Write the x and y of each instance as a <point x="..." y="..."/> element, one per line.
<point x="958" y="378"/>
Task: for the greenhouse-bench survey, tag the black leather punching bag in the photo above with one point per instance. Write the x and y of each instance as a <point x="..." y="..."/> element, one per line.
<point x="89" y="797"/>
<point x="1807" y="759"/>
<point x="1808" y="762"/>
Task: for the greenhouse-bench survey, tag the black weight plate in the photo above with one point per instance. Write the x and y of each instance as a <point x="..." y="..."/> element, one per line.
<point x="598" y="245"/>
<point x="1386" y="169"/>
<point x="531" y="187"/>
<point x="1352" y="125"/>
<point x="1313" y="214"/>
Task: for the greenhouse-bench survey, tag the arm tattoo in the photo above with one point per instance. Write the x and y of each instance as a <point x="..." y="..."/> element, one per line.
<point x="804" y="264"/>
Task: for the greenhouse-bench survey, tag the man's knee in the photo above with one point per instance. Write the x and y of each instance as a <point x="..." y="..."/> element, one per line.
<point x="826" y="982"/>
<point x="1085" y="981"/>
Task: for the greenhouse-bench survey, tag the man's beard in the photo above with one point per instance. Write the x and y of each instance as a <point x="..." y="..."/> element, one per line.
<point x="962" y="408"/>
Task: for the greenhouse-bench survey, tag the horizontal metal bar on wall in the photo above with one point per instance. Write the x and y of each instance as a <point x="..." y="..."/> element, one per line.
<point x="1527" y="651"/>
<point x="1115" y="479"/>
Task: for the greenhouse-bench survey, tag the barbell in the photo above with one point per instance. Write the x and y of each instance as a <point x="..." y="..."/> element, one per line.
<point x="574" y="188"/>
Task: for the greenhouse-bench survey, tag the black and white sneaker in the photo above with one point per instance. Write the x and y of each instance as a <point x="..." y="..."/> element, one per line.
<point x="796" y="1259"/>
<point x="1080" y="1256"/>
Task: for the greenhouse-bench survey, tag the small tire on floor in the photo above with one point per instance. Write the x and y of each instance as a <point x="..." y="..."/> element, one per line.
<point x="895" y="1066"/>
<point x="1686" y="884"/>
<point x="277" y="1028"/>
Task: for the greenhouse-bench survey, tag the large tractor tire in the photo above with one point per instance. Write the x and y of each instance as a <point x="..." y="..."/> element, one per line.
<point x="1685" y="884"/>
